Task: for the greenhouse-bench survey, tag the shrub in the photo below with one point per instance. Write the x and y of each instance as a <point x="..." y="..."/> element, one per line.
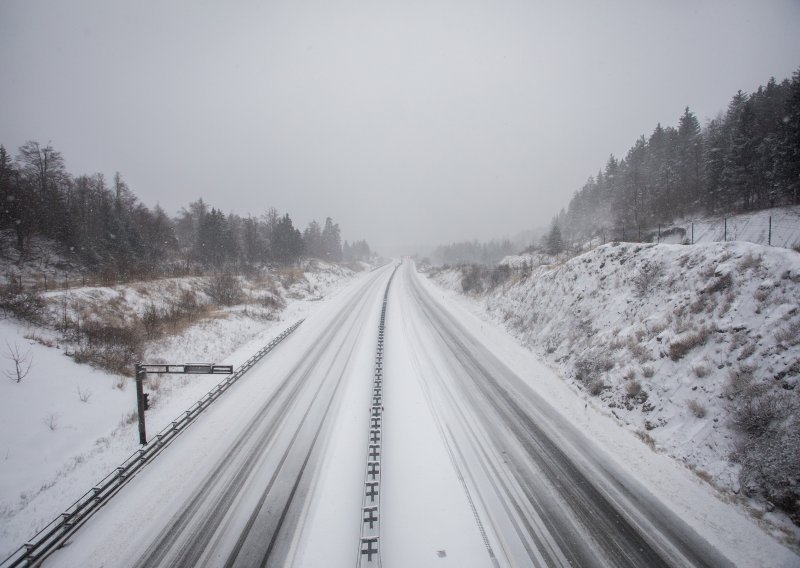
<point x="757" y="413"/>
<point x="589" y="365"/>
<point x="596" y="387"/>
<point x="499" y="275"/>
<point x="749" y="261"/>
<point x="740" y="380"/>
<point x="471" y="280"/>
<point x="23" y="304"/>
<point x="150" y="321"/>
<point x="790" y="334"/>
<point x="680" y="347"/>
<point x="721" y="283"/>
<point x="633" y="388"/>
<point x="648" y="371"/>
<point x="697" y="408"/>
<point x="225" y="289"/>
<point x="700" y="370"/>
<point x="769" y="454"/>
<point x="646" y="279"/>
<point x="114" y="347"/>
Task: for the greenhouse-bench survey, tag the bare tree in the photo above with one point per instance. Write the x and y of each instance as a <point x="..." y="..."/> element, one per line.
<point x="22" y="362"/>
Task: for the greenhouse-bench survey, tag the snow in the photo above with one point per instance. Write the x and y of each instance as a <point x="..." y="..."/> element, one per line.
<point x="428" y="517"/>
<point x="589" y="307"/>
<point x="90" y="438"/>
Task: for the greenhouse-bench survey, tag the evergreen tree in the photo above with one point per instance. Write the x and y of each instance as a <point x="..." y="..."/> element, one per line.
<point x="331" y="241"/>
<point x="287" y="242"/>
<point x="554" y="244"/>
<point x="312" y="241"/>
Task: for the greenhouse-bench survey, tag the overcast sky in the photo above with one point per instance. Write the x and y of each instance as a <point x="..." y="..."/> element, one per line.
<point x="409" y="122"/>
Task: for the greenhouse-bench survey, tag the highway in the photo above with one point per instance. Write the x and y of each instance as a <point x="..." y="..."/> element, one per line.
<point x="272" y="473"/>
<point x="232" y="491"/>
<point x="545" y="495"/>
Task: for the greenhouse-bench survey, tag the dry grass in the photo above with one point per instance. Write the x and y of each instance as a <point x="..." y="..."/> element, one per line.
<point x="750" y="261"/>
<point x="740" y="381"/>
<point x="701" y="370"/>
<point x="789" y="335"/>
<point x="680" y="347"/>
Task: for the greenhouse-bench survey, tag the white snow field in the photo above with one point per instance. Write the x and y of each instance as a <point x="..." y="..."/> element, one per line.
<point x="489" y="459"/>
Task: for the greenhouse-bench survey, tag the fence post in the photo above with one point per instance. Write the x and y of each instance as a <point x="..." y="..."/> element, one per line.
<point x="659" y="233"/>
<point x="726" y="230"/>
<point x="692" y="232"/>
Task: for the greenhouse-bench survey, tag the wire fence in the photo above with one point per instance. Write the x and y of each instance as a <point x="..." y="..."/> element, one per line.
<point x="766" y="230"/>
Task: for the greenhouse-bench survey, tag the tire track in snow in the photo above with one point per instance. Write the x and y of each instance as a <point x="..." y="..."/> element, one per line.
<point x="198" y="528"/>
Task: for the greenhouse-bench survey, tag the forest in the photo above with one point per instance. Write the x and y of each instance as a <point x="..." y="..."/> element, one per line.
<point x="746" y="158"/>
<point x="104" y="227"/>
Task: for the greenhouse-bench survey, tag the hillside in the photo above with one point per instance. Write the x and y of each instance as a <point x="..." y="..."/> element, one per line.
<point x="696" y="349"/>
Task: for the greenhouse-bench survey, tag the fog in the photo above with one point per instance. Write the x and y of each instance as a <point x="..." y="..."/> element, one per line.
<point x="410" y="123"/>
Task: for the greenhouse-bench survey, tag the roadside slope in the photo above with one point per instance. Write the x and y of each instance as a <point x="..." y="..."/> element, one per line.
<point x="696" y="349"/>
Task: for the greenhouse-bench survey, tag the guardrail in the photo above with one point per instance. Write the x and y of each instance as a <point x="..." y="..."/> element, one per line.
<point x="47" y="540"/>
<point x="369" y="544"/>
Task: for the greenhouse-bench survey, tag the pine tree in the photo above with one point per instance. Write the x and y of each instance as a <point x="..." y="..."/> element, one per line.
<point x="554" y="244"/>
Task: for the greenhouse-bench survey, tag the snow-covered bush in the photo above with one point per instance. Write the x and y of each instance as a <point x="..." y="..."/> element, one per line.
<point x="225" y="289"/>
<point x="26" y="305"/>
<point x="769" y="451"/>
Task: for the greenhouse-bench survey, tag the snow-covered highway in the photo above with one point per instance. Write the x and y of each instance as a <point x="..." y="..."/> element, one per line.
<point x="477" y="468"/>
<point x="234" y="488"/>
<point x="546" y="496"/>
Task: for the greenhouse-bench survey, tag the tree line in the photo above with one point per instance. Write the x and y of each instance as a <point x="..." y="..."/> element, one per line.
<point x="746" y="158"/>
<point x="104" y="226"/>
<point x="473" y="252"/>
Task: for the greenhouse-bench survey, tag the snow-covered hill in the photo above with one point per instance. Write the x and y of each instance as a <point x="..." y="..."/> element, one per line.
<point x="695" y="348"/>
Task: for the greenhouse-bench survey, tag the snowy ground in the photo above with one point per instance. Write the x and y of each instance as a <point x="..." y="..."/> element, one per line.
<point x="66" y="425"/>
<point x="665" y="339"/>
<point x="448" y="456"/>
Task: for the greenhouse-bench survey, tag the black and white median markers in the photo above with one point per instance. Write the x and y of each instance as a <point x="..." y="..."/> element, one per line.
<point x="369" y="545"/>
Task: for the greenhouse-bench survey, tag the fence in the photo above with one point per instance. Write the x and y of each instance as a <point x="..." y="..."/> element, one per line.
<point x="767" y="230"/>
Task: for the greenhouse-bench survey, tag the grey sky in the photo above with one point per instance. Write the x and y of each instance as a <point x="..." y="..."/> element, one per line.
<point x="408" y="122"/>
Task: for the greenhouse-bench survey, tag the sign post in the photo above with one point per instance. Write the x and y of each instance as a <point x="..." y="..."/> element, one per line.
<point x="188" y="368"/>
